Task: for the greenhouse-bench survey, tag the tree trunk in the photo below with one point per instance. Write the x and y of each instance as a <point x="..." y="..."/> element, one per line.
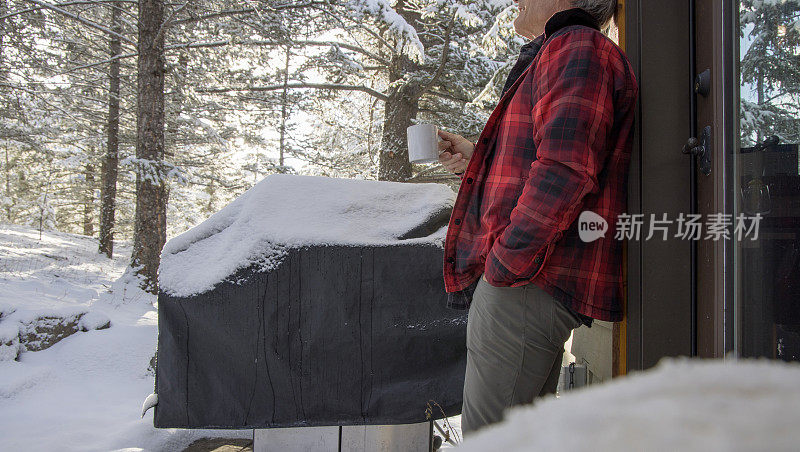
<point x="212" y="198"/>
<point x="177" y="101"/>
<point x="3" y="10"/>
<point x="177" y="98"/>
<point x="369" y="131"/>
<point x="8" y="186"/>
<point x="88" y="201"/>
<point x="108" y="189"/>
<point x="399" y="110"/>
<point x="760" y="99"/>
<point x="284" y="106"/>
<point x="150" y="225"/>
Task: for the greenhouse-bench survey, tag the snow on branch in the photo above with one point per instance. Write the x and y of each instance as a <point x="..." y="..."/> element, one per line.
<point x="405" y="32"/>
<point x="502" y="29"/>
<point x="155" y="171"/>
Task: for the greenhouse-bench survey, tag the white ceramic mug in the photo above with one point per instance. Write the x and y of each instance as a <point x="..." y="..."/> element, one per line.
<point x="423" y="143"/>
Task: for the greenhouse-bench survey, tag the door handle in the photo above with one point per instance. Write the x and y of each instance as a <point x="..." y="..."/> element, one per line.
<point x="701" y="148"/>
<point x="702" y="83"/>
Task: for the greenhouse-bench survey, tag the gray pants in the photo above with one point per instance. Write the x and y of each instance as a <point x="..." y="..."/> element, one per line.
<point x="515" y="341"/>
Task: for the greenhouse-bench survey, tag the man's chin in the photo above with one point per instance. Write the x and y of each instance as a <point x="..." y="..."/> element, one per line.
<point x="522" y="32"/>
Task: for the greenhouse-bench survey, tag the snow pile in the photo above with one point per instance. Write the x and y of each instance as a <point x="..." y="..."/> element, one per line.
<point x="37" y="329"/>
<point x="44" y="286"/>
<point x="284" y="211"/>
<point x="85" y="392"/>
<point x="682" y="404"/>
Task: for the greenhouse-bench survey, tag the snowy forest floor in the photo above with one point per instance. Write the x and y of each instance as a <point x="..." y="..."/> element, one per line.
<point x="85" y="392"/>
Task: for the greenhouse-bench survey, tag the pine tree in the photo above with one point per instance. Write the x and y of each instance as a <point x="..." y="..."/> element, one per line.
<point x="434" y="67"/>
<point x="770" y="70"/>
<point x="413" y="57"/>
<point x="110" y="162"/>
<point x="228" y="93"/>
<point x="150" y="229"/>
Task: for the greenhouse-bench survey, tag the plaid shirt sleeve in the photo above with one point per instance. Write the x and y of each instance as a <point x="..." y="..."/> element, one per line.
<point x="571" y="125"/>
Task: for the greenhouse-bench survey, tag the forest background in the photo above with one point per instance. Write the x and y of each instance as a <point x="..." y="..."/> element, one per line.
<point x="135" y="120"/>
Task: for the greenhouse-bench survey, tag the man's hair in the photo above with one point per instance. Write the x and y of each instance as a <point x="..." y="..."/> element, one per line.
<point x="602" y="10"/>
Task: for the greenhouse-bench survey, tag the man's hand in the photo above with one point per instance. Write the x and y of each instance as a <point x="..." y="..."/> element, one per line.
<point x="457" y="152"/>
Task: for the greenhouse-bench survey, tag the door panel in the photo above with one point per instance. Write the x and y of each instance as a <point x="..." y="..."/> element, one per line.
<point x="748" y="288"/>
<point x="713" y="31"/>
<point x="658" y="271"/>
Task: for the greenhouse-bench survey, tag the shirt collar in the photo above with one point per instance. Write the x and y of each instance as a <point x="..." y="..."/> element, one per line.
<point x="533" y="46"/>
<point x="574" y="16"/>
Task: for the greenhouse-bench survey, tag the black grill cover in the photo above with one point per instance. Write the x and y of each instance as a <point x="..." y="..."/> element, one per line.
<point x="334" y="335"/>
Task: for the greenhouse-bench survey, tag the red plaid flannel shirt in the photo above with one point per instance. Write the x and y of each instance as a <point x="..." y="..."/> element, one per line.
<point x="558" y="143"/>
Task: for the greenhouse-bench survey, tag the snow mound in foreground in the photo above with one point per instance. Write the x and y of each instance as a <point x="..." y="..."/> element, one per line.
<point x="285" y="211"/>
<point x="682" y="404"/>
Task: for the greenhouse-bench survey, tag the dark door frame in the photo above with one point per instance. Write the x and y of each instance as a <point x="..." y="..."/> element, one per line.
<point x="679" y="302"/>
<point x="716" y="50"/>
<point x="659" y="283"/>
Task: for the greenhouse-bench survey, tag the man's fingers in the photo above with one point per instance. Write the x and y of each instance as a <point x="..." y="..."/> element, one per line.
<point x="444" y="145"/>
<point x="451" y="159"/>
<point x="456" y="165"/>
<point x="447" y="136"/>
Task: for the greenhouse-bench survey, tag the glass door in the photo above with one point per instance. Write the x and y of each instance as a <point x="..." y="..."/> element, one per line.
<point x="745" y="152"/>
<point x="765" y="180"/>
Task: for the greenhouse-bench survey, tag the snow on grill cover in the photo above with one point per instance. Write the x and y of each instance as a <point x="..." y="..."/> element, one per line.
<point x="310" y="301"/>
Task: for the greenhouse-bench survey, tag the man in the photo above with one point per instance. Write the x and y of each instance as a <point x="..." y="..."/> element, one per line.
<point x="558" y="143"/>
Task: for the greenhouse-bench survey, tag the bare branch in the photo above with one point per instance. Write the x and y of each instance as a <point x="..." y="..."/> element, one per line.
<point x="222" y="43"/>
<point x="449" y="96"/>
<point x="86" y="22"/>
<point x="236" y="12"/>
<point x="224" y="13"/>
<point x="197" y="45"/>
<point x="82" y="2"/>
<point x="99" y="63"/>
<point x="343" y="45"/>
<point x="166" y="24"/>
<point x="300" y="85"/>
<point x="445" y="54"/>
<point x="359" y="25"/>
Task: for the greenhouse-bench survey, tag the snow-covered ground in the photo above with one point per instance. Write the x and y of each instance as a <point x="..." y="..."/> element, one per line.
<point x="84" y="393"/>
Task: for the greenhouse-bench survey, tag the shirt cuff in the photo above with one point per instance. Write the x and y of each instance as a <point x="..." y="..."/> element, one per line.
<point x="498" y="274"/>
<point x="462" y="299"/>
